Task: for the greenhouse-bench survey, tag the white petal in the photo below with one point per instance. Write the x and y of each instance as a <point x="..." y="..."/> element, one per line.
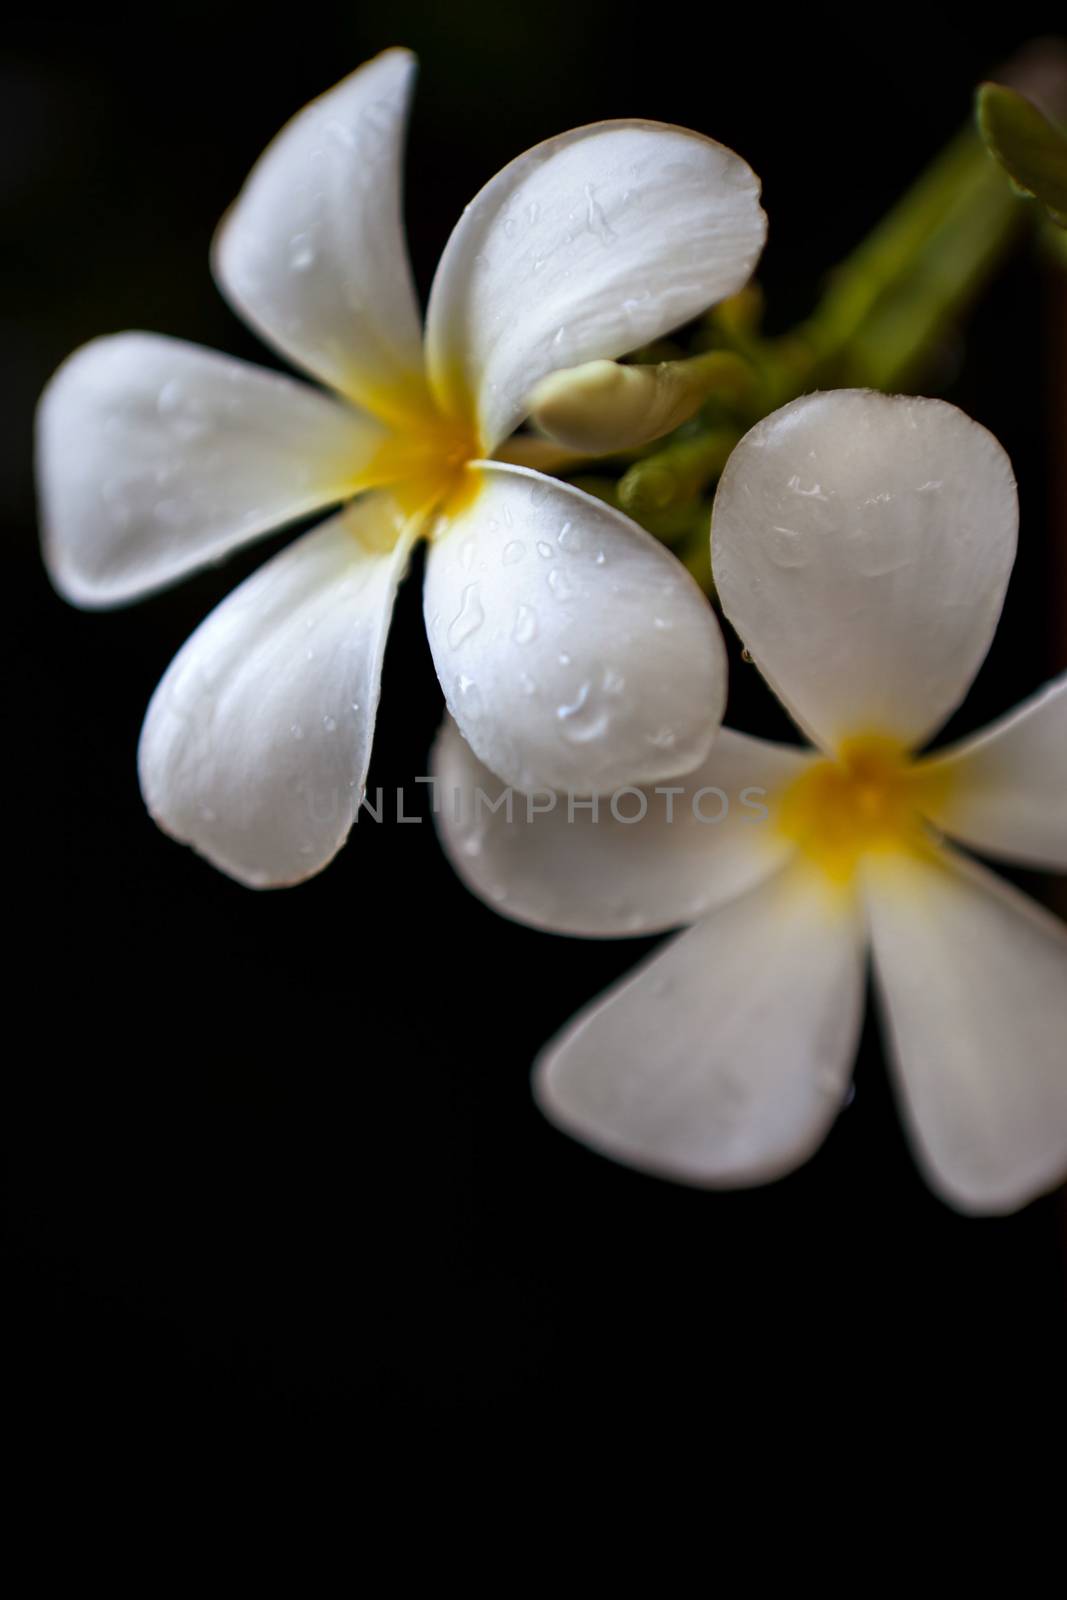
<point x="659" y="858"/>
<point x="727" y="1056"/>
<point x="1005" y="790"/>
<point x="256" y="743"/>
<point x="973" y="979"/>
<point x="862" y="545"/>
<point x="312" y="251"/>
<point x="573" y="650"/>
<point x="587" y="246"/>
<point x="155" y="457"/>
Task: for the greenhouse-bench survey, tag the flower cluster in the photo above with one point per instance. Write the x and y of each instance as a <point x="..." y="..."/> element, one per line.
<point x="861" y="545"/>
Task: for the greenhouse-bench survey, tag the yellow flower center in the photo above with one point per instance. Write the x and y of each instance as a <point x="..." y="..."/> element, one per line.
<point x="869" y="798"/>
<point x="424" y="460"/>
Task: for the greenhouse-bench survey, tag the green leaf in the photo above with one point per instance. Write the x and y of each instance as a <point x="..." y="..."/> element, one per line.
<point x="1030" y="148"/>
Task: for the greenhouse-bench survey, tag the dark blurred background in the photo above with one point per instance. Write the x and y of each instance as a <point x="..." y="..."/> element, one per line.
<point x="270" y="1161"/>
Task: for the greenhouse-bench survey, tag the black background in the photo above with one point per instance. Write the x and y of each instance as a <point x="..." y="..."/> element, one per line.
<point x="270" y="1160"/>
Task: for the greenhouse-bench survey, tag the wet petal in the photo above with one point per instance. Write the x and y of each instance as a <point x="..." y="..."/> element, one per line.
<point x="861" y="545"/>
<point x="656" y="859"/>
<point x="587" y="246"/>
<point x="156" y="457"/>
<point x="726" y="1057"/>
<point x="256" y="744"/>
<point x="573" y="650"/>
<point x="1004" y="791"/>
<point x="973" y="980"/>
<point x="312" y="251"/>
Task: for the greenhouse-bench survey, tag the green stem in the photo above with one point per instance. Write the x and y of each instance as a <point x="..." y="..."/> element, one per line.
<point x="888" y="306"/>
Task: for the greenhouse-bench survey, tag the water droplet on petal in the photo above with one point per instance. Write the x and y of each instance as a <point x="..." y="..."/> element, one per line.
<point x="470" y="692"/>
<point x="786" y="548"/>
<point x="301" y="252"/>
<point x="468" y="619"/>
<point x="525" y="628"/>
<point x="582" y="720"/>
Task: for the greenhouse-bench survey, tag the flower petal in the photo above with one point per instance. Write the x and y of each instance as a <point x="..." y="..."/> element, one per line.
<point x="726" y="1057"/>
<point x="659" y="858"/>
<point x="155" y="457"/>
<point x="1005" y="790"/>
<point x="573" y="650"/>
<point x="312" y="251"/>
<point x="973" y="981"/>
<point x="861" y="545"/>
<point x="587" y="246"/>
<point x="256" y="743"/>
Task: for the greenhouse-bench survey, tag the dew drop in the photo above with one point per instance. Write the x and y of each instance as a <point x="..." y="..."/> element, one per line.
<point x="301" y="252"/>
<point x="468" y="619"/>
<point x="809" y="491"/>
<point x="595" y="219"/>
<point x="786" y="548"/>
<point x="170" y="397"/>
<point x="514" y="551"/>
<point x="583" y="721"/>
<point x="564" y="712"/>
<point x="470" y="692"/>
<point x="872" y="557"/>
<point x="525" y="628"/>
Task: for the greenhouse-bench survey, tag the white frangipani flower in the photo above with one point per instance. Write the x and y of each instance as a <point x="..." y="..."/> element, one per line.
<point x="156" y="457"/>
<point x="862" y="546"/>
